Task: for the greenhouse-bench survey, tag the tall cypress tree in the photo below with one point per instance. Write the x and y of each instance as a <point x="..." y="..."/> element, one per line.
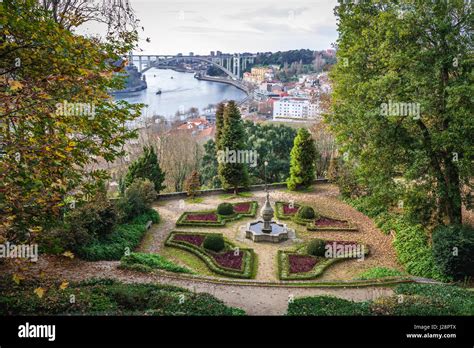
<point x="232" y="173"/>
<point x="302" y="163"/>
<point x="146" y="167"/>
<point x="219" y="124"/>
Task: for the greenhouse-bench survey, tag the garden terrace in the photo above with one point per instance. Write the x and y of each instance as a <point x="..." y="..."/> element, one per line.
<point x="231" y="262"/>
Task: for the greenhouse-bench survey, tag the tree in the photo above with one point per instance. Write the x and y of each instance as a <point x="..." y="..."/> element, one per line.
<point x="193" y="184"/>
<point x="231" y="172"/>
<point x="56" y="115"/>
<point x="209" y="164"/>
<point x="402" y="100"/>
<point x="333" y="170"/>
<point x="302" y="164"/>
<point x="219" y="124"/>
<point x="146" y="167"/>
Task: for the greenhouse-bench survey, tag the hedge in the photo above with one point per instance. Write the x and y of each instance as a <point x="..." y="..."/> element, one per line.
<point x="147" y="262"/>
<point x="114" y="246"/>
<point x="109" y="297"/>
<point x="318" y="269"/>
<point x="248" y="260"/>
<point x="221" y="219"/>
<point x="409" y="299"/>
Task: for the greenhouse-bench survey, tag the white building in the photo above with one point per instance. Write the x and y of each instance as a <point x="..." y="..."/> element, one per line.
<point x="295" y="108"/>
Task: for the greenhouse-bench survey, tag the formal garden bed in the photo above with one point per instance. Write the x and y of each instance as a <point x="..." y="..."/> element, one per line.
<point x="313" y="221"/>
<point x="302" y="263"/>
<point x="230" y="261"/>
<point x="212" y="218"/>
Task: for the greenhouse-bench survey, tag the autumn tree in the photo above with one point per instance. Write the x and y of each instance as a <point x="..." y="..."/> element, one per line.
<point x="402" y="102"/>
<point x="56" y="114"/>
<point x="193" y="184"/>
<point x="302" y="163"/>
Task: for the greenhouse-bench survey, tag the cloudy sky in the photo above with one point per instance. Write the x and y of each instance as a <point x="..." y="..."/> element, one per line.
<point x="200" y="26"/>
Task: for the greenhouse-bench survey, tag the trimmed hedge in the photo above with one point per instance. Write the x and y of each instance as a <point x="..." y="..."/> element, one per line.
<point x="379" y="272"/>
<point x="248" y="268"/>
<point x="148" y="262"/>
<point x="221" y="219"/>
<point x="109" y="297"/>
<point x="319" y="268"/>
<point x="306" y="212"/>
<point x="225" y="209"/>
<point x="279" y="212"/>
<point x="316" y="247"/>
<point x="410" y="299"/>
<point x="114" y="245"/>
<point x="214" y="242"/>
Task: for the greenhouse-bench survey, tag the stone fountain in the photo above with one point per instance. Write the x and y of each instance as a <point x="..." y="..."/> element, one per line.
<point x="266" y="230"/>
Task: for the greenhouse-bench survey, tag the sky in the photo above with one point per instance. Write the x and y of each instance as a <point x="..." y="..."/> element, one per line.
<point x="232" y="26"/>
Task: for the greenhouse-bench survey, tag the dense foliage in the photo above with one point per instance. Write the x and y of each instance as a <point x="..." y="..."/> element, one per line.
<point x="214" y="242"/>
<point x="402" y="106"/>
<point x="379" y="272"/>
<point x="453" y="250"/>
<point x="232" y="173"/>
<point x="302" y="164"/>
<point x="225" y="209"/>
<point x="137" y="199"/>
<point x="121" y="241"/>
<point x="193" y="184"/>
<point x="410" y="299"/>
<point x="271" y="142"/>
<point x="109" y="297"/>
<point x="305" y="212"/>
<point x="148" y="262"/>
<point x="316" y="247"/>
<point x="56" y="114"/>
<point x="146" y="167"/>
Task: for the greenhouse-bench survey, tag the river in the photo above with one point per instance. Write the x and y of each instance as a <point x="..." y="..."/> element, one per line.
<point x="180" y="92"/>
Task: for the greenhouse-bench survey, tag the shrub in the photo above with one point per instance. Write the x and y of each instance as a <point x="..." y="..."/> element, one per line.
<point x="124" y="236"/>
<point x="225" y="209"/>
<point x="214" y="242"/>
<point x="146" y="262"/>
<point x="316" y="247"/>
<point x="137" y="199"/>
<point x="96" y="217"/>
<point x="306" y="212"/>
<point x="453" y="250"/>
<point x="379" y="272"/>
<point x="326" y="306"/>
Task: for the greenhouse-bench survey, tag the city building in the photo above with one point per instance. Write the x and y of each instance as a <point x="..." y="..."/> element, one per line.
<point x="295" y="108"/>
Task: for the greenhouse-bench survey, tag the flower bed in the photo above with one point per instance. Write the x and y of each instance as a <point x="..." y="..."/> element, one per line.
<point x="232" y="262"/>
<point x="210" y="218"/>
<point x="229" y="259"/>
<point x="202" y="217"/>
<point x="326" y="223"/>
<point x="297" y="265"/>
<point x="301" y="263"/>
<point x="283" y="211"/>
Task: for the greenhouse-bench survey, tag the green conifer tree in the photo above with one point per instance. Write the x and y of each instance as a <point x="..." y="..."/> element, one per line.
<point x="146" y="167"/>
<point x="302" y="163"/>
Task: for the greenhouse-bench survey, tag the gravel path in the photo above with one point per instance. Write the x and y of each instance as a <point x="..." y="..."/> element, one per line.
<point x="255" y="300"/>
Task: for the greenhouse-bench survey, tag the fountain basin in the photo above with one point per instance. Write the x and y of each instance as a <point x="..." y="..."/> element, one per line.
<point x="254" y="231"/>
